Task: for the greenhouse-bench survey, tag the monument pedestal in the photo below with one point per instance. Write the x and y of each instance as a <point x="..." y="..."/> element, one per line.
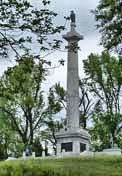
<point x="72" y="141"/>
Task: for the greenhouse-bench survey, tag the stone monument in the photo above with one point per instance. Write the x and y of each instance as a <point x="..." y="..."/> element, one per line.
<point x="73" y="140"/>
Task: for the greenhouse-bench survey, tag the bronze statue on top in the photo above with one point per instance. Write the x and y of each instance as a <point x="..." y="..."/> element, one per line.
<point x="72" y="16"/>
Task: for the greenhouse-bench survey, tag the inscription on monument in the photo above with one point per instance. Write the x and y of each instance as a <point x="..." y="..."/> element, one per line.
<point x="82" y="147"/>
<point x="66" y="146"/>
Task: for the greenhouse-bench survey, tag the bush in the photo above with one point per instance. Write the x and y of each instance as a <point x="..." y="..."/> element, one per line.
<point x="98" y="166"/>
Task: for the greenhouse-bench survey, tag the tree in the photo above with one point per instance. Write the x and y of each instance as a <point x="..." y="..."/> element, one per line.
<point x="49" y="134"/>
<point x="56" y="98"/>
<point x="23" y="26"/>
<point x="58" y="94"/>
<point x="104" y="79"/>
<point x="22" y="98"/>
<point x="53" y="124"/>
<point x="109" y="17"/>
<point x="86" y="104"/>
<point x="103" y="126"/>
<point x="7" y="137"/>
<point x="37" y="146"/>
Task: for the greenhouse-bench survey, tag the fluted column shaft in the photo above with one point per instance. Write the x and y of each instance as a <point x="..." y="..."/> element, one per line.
<point x="72" y="38"/>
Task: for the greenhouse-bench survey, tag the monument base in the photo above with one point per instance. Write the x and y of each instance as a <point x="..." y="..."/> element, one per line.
<point x="72" y="141"/>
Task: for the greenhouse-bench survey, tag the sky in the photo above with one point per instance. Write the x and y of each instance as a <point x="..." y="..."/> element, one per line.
<point x="85" y="26"/>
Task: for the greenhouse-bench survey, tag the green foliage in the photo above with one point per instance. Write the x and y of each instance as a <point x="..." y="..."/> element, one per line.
<point x="108" y="14"/>
<point x="106" y="165"/>
<point x="20" y="91"/>
<point x="56" y="98"/>
<point x="55" y="104"/>
<point x="104" y="78"/>
<point x="22" y="25"/>
<point x="103" y="126"/>
<point x="7" y="136"/>
<point x="18" y="148"/>
<point x="22" y="98"/>
<point x="37" y="146"/>
<point x="49" y="134"/>
<point x="22" y="107"/>
<point x="104" y="81"/>
<point x="86" y="104"/>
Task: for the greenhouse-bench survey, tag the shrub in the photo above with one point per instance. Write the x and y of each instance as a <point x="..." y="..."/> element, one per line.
<point x="97" y="166"/>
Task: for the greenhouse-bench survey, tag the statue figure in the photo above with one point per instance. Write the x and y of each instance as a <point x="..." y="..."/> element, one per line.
<point x="72" y="16"/>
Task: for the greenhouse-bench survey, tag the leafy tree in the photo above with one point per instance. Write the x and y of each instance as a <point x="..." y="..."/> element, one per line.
<point x="7" y="137"/>
<point x="23" y="26"/>
<point x="103" y="125"/>
<point x="49" y="134"/>
<point x="108" y="14"/>
<point x="37" y="146"/>
<point x="56" y="98"/>
<point x="104" y="79"/>
<point x="86" y="104"/>
<point x="22" y="98"/>
<point x="53" y="124"/>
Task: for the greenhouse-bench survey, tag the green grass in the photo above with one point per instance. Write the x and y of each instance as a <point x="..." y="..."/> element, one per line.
<point x="80" y="166"/>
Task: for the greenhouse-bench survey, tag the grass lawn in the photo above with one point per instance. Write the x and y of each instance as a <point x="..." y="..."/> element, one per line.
<point x="80" y="166"/>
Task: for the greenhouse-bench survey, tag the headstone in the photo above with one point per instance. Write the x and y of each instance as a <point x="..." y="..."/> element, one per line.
<point x="43" y="154"/>
<point x="10" y="158"/>
<point x="113" y="151"/>
<point x="24" y="155"/>
<point x="63" y="152"/>
<point x="33" y="154"/>
<point x="53" y="153"/>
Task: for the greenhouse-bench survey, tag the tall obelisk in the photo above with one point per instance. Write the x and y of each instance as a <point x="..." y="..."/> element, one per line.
<point x="73" y="139"/>
<point x="72" y="38"/>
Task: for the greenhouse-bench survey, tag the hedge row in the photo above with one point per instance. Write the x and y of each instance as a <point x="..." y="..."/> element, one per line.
<point x="98" y="166"/>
